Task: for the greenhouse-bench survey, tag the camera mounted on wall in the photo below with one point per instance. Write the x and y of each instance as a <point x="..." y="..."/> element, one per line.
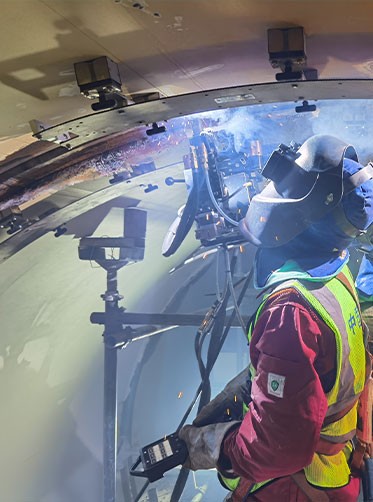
<point x="100" y="79"/>
<point x="286" y="49"/>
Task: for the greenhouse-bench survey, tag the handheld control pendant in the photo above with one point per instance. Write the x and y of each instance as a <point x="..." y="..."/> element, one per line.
<point x="160" y="456"/>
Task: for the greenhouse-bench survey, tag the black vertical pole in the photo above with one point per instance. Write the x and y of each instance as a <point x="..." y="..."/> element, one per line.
<point x="131" y="249"/>
<point x="110" y="390"/>
<point x="110" y="423"/>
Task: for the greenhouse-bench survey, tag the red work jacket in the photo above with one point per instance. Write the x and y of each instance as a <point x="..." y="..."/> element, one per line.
<point x="278" y="437"/>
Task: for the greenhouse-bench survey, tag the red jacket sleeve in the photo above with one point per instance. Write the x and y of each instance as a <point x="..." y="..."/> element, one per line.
<point x="290" y="346"/>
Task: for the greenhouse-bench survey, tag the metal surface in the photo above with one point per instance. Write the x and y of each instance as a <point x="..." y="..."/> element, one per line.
<point x="111" y="298"/>
<point x="91" y="127"/>
<point x="167" y="46"/>
<point x="155" y="319"/>
<point x="133" y="190"/>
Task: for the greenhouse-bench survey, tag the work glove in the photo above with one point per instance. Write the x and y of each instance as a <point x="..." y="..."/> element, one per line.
<point x="205" y="437"/>
<point x="228" y="404"/>
<point x="204" y="444"/>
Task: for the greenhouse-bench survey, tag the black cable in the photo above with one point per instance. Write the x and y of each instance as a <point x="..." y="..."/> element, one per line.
<point x="231" y="288"/>
<point x="211" y="159"/>
<point x="239" y="301"/>
<point x="216" y="334"/>
<point x="204" y="391"/>
<point x="214" y="348"/>
<point x="179" y="486"/>
<point x="205" y="395"/>
<point x="198" y="344"/>
<point x="216" y="312"/>
<point x="185" y="223"/>
<point x="189" y="213"/>
<point x="142" y="491"/>
<point x="205" y="386"/>
<point x="184" y="473"/>
<point x="228" y="327"/>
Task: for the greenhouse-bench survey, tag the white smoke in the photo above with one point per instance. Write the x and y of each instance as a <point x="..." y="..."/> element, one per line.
<point x="275" y="123"/>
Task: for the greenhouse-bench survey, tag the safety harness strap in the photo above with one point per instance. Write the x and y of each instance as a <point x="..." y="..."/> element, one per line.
<point x="313" y="494"/>
<point x="325" y="447"/>
<point x="357" y="459"/>
<point x="243" y="491"/>
<point x="344" y="280"/>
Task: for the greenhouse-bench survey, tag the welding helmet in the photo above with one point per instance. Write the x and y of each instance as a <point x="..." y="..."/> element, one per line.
<point x="306" y="183"/>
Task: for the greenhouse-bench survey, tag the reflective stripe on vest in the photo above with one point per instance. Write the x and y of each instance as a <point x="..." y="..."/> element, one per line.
<point x="338" y="308"/>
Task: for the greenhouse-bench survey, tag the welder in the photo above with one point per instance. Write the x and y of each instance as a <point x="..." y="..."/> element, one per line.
<point x="294" y="438"/>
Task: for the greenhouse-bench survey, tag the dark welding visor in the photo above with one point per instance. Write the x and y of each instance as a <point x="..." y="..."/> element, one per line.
<point x="306" y="183"/>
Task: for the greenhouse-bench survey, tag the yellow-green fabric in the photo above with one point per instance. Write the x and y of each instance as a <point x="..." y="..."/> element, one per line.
<point x="338" y="308"/>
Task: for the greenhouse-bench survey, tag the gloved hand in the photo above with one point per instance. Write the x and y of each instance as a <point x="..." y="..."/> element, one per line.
<point x="204" y="444"/>
<point x="227" y="405"/>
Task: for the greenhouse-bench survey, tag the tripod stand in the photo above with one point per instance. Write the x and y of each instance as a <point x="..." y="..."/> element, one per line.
<point x="131" y="249"/>
<point x="117" y="332"/>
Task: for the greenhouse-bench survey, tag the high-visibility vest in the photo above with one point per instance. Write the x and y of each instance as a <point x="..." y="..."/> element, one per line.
<point x="336" y="304"/>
